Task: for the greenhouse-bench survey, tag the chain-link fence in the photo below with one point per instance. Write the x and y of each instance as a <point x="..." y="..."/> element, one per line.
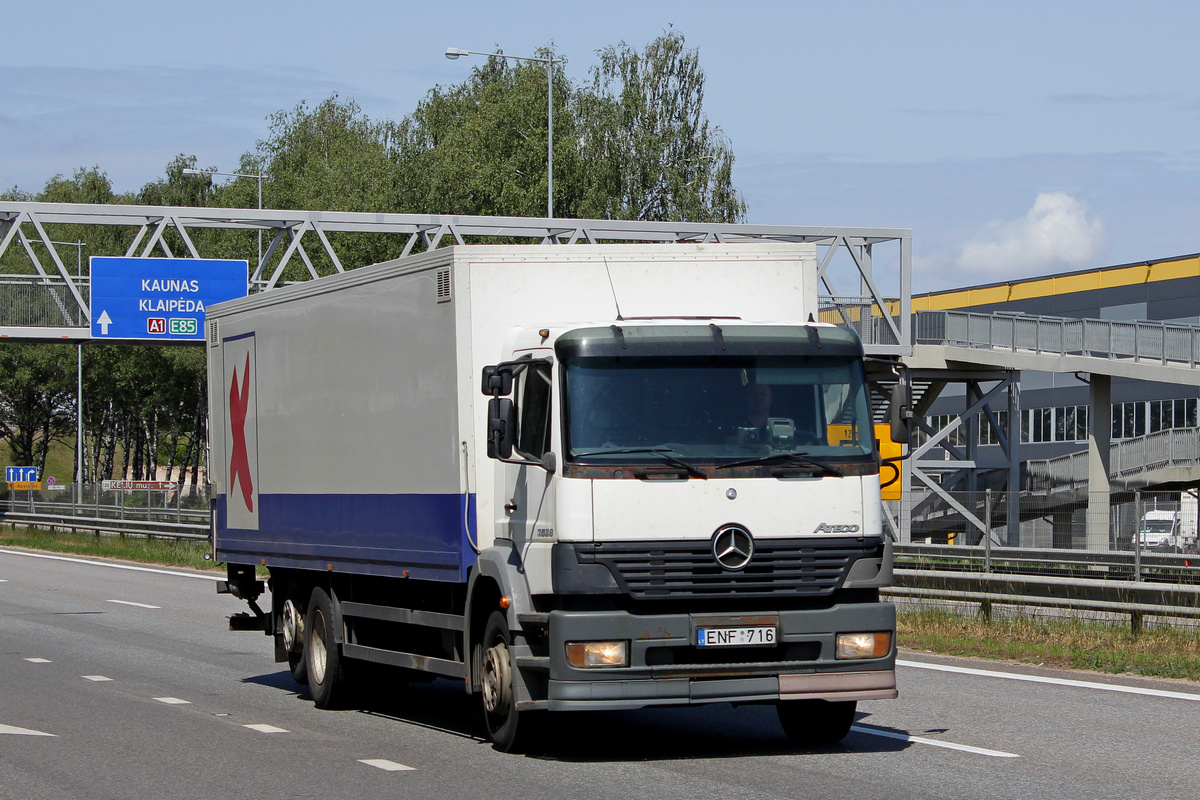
<point x="181" y="502"/>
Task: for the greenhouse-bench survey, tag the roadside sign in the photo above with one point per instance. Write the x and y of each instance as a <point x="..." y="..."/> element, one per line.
<point x="160" y="486"/>
<point x="22" y="478"/>
<point x="160" y="299"/>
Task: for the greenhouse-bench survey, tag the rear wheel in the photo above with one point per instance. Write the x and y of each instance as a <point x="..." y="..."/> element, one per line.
<point x="816" y="722"/>
<point x="293" y="640"/>
<point x="507" y="727"/>
<point x="323" y="658"/>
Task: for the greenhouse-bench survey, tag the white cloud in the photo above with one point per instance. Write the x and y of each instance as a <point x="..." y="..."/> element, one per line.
<point x="1055" y="234"/>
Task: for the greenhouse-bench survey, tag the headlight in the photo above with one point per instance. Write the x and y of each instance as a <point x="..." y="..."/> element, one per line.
<point x="587" y="655"/>
<point x="864" y="645"/>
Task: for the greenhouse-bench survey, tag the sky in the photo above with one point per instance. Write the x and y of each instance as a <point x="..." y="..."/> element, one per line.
<point x="1015" y="139"/>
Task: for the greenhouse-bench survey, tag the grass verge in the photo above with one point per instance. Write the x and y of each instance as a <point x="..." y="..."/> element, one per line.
<point x="1067" y="642"/>
<point x="163" y="552"/>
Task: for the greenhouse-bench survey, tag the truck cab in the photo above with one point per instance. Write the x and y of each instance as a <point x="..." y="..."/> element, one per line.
<point x="696" y="499"/>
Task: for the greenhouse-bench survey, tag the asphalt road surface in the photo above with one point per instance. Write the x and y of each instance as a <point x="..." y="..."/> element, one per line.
<point x="119" y="682"/>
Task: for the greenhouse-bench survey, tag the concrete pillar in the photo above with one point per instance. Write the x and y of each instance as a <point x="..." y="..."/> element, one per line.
<point x="1099" y="440"/>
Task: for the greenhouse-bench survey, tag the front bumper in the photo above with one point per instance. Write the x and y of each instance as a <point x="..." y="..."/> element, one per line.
<point x="665" y="667"/>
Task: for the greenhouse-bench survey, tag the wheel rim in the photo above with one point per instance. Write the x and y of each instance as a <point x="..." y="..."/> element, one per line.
<point x="320" y="655"/>
<point x="293" y="627"/>
<point x="497" y="681"/>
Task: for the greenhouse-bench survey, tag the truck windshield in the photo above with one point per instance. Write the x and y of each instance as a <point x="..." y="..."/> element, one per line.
<point x="711" y="410"/>
<point x="1157" y="525"/>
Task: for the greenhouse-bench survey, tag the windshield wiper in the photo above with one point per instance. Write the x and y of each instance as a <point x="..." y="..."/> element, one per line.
<point x="790" y="458"/>
<point x="663" y="453"/>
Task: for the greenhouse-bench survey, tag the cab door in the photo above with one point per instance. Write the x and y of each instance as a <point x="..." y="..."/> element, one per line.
<point x="525" y="488"/>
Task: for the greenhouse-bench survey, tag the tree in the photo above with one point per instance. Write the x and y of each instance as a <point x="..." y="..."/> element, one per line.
<point x="333" y="158"/>
<point x="480" y="147"/>
<point x="37" y="384"/>
<point x="649" y="149"/>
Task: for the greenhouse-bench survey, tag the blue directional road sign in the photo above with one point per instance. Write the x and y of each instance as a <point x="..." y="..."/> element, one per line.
<point x="160" y="299"/>
<point x="20" y="474"/>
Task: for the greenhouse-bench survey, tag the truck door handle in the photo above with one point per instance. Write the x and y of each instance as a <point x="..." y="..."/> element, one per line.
<point x="511" y="508"/>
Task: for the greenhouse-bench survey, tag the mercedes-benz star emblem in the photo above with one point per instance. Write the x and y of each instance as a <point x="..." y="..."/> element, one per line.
<point x="732" y="547"/>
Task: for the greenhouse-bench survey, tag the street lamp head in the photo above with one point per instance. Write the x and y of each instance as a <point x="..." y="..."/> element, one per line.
<point x="190" y="171"/>
<point x="454" y="52"/>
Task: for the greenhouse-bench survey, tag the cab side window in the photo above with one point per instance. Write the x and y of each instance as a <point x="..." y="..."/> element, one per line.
<point x="534" y="426"/>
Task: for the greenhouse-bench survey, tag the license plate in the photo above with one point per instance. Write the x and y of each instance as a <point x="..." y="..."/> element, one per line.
<point x="734" y="637"/>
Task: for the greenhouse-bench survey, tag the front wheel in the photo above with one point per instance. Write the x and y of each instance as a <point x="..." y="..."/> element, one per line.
<point x="507" y="727"/>
<point x="816" y="722"/>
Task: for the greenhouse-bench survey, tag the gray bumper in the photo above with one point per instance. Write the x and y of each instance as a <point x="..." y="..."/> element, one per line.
<point x="803" y="667"/>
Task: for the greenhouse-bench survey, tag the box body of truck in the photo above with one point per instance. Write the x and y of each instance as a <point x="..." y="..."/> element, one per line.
<point x="634" y="543"/>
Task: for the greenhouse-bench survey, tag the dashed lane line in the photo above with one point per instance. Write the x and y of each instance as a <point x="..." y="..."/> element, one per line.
<point x="130" y="567"/>
<point x="264" y="728"/>
<point x="39" y="661"/>
<point x="904" y="737"/>
<point x="385" y="765"/>
<point x="12" y="729"/>
<point x="173" y="701"/>
<point x="1013" y="676"/>
<point x="131" y="603"/>
<point x="96" y="678"/>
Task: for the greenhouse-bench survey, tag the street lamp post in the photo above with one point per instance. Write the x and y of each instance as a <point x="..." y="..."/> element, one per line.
<point x="454" y="52"/>
<point x="259" y="177"/>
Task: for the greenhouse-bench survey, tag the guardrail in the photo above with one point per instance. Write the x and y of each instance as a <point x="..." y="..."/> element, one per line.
<point x="1134" y="583"/>
<point x="135" y="527"/>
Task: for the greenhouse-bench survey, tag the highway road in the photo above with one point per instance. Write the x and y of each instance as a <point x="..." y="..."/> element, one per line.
<point x="124" y="682"/>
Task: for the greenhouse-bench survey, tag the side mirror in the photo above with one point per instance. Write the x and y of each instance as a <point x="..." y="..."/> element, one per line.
<point x="502" y="426"/>
<point x="497" y="380"/>
<point x="900" y="414"/>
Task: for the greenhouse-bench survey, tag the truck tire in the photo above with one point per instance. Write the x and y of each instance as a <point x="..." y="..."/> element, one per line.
<point x="323" y="658"/>
<point x="293" y="639"/>
<point x="816" y="722"/>
<point x="507" y="727"/>
<point x="298" y="664"/>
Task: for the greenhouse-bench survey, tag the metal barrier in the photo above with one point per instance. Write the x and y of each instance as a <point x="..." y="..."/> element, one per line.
<point x="1157" y="342"/>
<point x="1177" y="447"/>
<point x="1130" y="581"/>
<point x="134" y="527"/>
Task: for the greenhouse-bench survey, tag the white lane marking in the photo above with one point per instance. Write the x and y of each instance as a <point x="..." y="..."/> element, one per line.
<point x="131" y="603"/>
<point x="263" y="728"/>
<point x="23" y="731"/>
<point x="173" y="701"/>
<point x="904" y="737"/>
<point x="39" y="661"/>
<point x="96" y="678"/>
<point x="384" y="764"/>
<point x="1012" y="676"/>
<point x="2" y="580"/>
<point x="114" y="566"/>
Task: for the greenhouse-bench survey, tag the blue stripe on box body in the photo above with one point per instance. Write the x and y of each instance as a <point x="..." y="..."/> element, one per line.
<point x="367" y="534"/>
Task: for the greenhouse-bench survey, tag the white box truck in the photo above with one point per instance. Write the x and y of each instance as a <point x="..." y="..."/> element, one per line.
<point x="1170" y="528"/>
<point x="573" y="477"/>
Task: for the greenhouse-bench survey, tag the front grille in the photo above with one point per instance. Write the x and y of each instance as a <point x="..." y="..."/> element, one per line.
<point x="673" y="570"/>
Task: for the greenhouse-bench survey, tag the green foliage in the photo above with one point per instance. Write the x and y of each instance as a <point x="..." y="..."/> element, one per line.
<point x="36" y="384"/>
<point x="649" y="149"/>
<point x="481" y="147"/>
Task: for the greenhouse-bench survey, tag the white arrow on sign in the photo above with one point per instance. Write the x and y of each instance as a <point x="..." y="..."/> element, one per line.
<point x="104" y="321"/>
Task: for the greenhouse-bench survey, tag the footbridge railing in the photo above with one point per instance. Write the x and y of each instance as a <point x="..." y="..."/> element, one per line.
<point x="1152" y="342"/>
